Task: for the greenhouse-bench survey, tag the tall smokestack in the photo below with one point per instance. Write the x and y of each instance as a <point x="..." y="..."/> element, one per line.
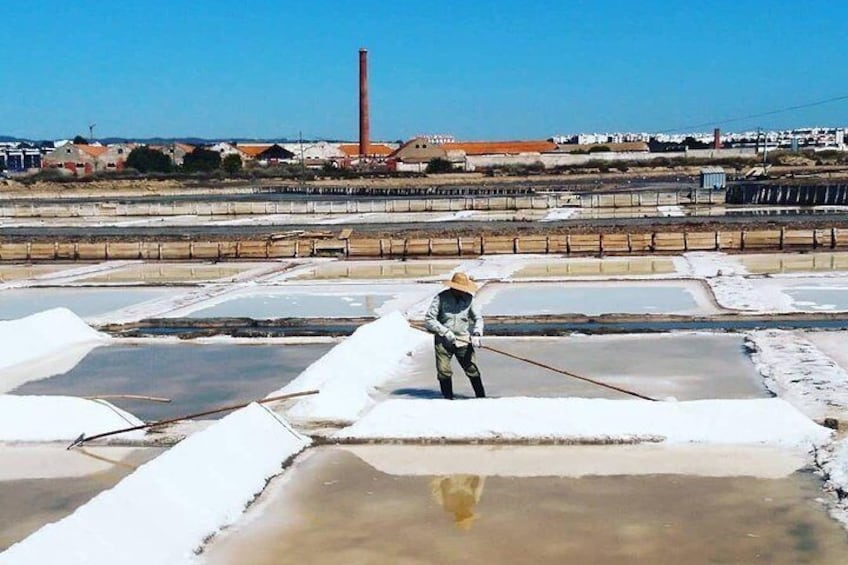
<point x="364" y="126"/>
<point x="716" y="138"/>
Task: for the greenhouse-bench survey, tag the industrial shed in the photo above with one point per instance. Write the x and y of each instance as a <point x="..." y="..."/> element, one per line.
<point x="713" y="177"/>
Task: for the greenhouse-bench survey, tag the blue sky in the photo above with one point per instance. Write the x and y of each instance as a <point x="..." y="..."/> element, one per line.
<point x="478" y="70"/>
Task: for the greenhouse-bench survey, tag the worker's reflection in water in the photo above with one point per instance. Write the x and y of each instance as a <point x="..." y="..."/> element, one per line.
<point x="458" y="494"/>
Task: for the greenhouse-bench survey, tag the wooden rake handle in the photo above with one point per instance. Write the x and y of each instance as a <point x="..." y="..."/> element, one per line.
<point x="82" y="439"/>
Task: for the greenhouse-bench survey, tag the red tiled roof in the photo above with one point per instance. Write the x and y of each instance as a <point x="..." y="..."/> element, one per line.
<point x="500" y="147"/>
<point x="253" y="150"/>
<point x="93" y="150"/>
<point x="352" y="149"/>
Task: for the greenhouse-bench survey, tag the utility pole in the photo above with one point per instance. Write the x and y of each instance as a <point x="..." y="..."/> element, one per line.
<point x="300" y="140"/>
<point x="765" y="149"/>
<point x="302" y="166"/>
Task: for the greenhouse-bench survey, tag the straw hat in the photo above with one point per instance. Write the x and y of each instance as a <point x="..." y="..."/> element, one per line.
<point x="461" y="282"/>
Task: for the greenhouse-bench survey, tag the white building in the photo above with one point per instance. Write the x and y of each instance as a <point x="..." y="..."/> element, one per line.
<point x="314" y="151"/>
<point x="223" y="148"/>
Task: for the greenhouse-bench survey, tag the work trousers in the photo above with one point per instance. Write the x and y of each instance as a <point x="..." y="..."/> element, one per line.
<point x="465" y="356"/>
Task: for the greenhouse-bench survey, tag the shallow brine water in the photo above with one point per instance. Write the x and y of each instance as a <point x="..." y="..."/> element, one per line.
<point x="597" y="267"/>
<point x="686" y="366"/>
<point x="196" y="377"/>
<point x="17" y="272"/>
<point x="378" y="270"/>
<point x="340" y="506"/>
<point x="84" y="302"/>
<point x="823" y="297"/>
<point x="171" y="273"/>
<point x="30" y="503"/>
<point x="795" y="262"/>
<point x="531" y="299"/>
<point x="284" y="304"/>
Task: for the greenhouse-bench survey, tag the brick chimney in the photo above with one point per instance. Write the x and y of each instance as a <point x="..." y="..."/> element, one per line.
<point x="364" y="125"/>
<point x="716" y="138"/>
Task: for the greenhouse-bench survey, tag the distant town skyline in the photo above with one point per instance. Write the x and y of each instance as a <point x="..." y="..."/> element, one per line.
<point x="503" y="70"/>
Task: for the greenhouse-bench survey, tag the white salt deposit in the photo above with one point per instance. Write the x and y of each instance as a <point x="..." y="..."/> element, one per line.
<point x="43" y="344"/>
<point x="727" y="279"/>
<point x="673" y="211"/>
<point x="797" y="371"/>
<point x="452" y="217"/>
<point x="350" y="371"/>
<point x="709" y="264"/>
<point x="737" y="422"/>
<point x="60" y="418"/>
<point x="557" y="214"/>
<point x="165" y="510"/>
<point x="833" y="462"/>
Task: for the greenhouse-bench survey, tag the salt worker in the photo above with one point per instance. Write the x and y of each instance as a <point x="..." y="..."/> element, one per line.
<point x="455" y="320"/>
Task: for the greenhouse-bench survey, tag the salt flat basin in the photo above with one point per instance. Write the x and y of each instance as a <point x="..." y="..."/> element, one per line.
<point x="275" y="304"/>
<point x="164" y="272"/>
<point x="590" y="267"/>
<point x="84" y="302"/>
<point x="773" y="263"/>
<point x="425" y="506"/>
<point x="18" y="272"/>
<point x="594" y="298"/>
<point x="809" y="294"/>
<point x="196" y="377"/>
<point x="684" y="365"/>
<point x="42" y="484"/>
<point x="317" y="301"/>
<point x="378" y="270"/>
<point x="834" y="344"/>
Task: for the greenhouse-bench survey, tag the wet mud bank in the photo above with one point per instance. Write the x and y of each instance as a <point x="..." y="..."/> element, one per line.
<point x="542" y="325"/>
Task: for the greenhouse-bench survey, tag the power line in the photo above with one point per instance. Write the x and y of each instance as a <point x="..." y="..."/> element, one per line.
<point x="760" y="115"/>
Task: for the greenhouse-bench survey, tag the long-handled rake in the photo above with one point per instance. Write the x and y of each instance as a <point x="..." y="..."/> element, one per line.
<point x="550" y="368"/>
<point x="83" y="439"/>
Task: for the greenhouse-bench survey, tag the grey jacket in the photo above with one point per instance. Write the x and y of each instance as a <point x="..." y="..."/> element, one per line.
<point x="456" y="312"/>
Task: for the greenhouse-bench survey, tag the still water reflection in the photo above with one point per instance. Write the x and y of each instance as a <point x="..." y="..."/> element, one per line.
<point x="334" y="507"/>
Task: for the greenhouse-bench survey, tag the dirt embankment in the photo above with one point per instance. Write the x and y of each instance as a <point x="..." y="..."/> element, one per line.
<point x="130" y="187"/>
<point x="588" y="181"/>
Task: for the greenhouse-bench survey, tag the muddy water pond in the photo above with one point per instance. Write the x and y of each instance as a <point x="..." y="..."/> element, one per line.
<point x="684" y="365"/>
<point x="195" y="377"/>
<point x="30" y="503"/>
<point x="631" y="297"/>
<point x="339" y="506"/>
<point x="84" y="302"/>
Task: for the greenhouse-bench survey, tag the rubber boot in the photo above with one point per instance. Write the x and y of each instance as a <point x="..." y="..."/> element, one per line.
<point x="477" y="385"/>
<point x="447" y="388"/>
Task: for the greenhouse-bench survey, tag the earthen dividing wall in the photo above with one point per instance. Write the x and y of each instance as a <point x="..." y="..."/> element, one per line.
<point x="561" y="244"/>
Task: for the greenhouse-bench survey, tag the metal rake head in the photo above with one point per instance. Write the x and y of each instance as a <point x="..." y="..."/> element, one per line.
<point x="79" y="441"/>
